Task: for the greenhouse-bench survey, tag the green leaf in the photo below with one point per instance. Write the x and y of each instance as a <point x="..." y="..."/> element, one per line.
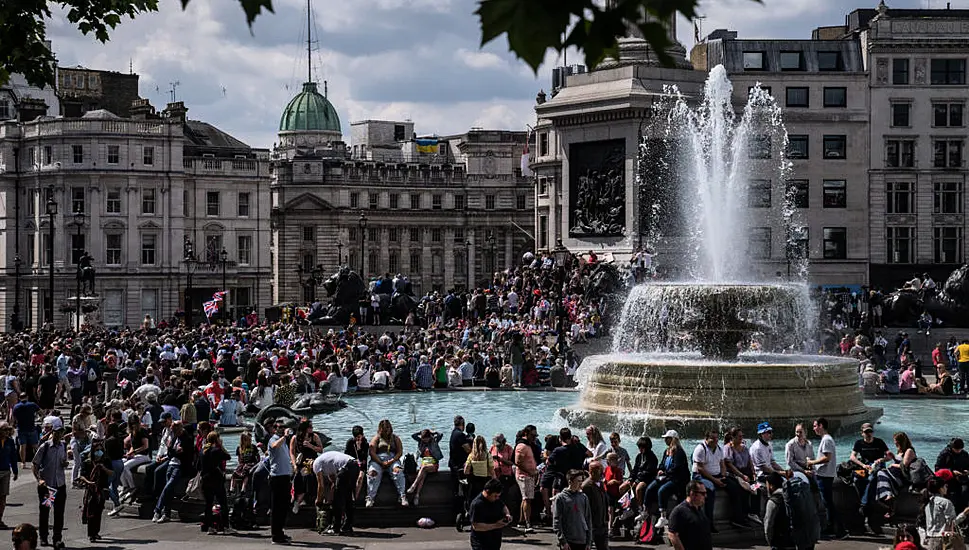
<point x="254" y="7"/>
<point x="532" y="26"/>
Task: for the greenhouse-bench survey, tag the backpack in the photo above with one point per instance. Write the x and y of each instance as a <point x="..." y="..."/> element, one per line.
<point x="646" y="532"/>
<point x="801" y="513"/>
<point x="323" y="516"/>
<point x="92" y="375"/>
<point x="410" y="465"/>
<point x="919" y="473"/>
<point x="242" y="516"/>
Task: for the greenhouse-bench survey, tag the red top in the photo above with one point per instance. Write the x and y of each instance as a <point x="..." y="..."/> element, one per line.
<point x="613" y="480"/>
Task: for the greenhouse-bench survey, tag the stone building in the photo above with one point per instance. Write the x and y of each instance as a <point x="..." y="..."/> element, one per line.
<point x="444" y="211"/>
<point x="916" y="60"/>
<point x="129" y="191"/>
<point x="81" y="90"/>
<point x="822" y="87"/>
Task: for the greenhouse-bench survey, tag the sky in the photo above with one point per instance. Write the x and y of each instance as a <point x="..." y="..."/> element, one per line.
<point x="416" y="60"/>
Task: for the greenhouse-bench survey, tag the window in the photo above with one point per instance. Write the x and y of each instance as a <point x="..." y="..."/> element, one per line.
<point x="415" y="201"/>
<point x="399" y="132"/>
<point x="947" y="242"/>
<point x="797" y="147"/>
<point x="489" y="202"/>
<point x="45" y="251"/>
<point x="244" y="248"/>
<point x="213" y="248"/>
<point x="798" y="243"/>
<point x="77" y="151"/>
<point x="393" y="261"/>
<point x="948" y="72"/>
<point x="900" y="153"/>
<point x="149" y="302"/>
<point x="542" y="185"/>
<point x="521" y="202"/>
<point x="148" y="249"/>
<point x="113" y="205"/>
<point x="31" y="251"/>
<point x="834" y="194"/>
<point x="212" y="203"/>
<point x="835" y="243"/>
<point x="112" y="249"/>
<point x="5" y="111"/>
<point x="901" y="245"/>
<point x="114" y="154"/>
<point x="901" y="197"/>
<point x="148" y="156"/>
<point x="48" y="157"/>
<point x="792" y="61"/>
<point x="755" y="61"/>
<point x="415" y="263"/>
<point x="947" y="153"/>
<point x="948" y="197"/>
<point x="830" y="61"/>
<point x="373" y="200"/>
<point x="758" y="194"/>
<point x="309" y="234"/>
<point x="459" y="235"/>
<point x="354" y="200"/>
<point x="798" y="192"/>
<point x="543" y="231"/>
<point x="243" y="205"/>
<point x="543" y="144"/>
<point x="393" y="235"/>
<point x="352" y="234"/>
<point x="415" y="234"/>
<point x="835" y="97"/>
<point x="307" y="260"/>
<point x="758" y="147"/>
<point x="797" y="96"/>
<point x="32" y="156"/>
<point x="437" y="201"/>
<point x="77" y="200"/>
<point x="372" y="234"/>
<point x="395" y="200"/>
<point x="77" y="247"/>
<point x="835" y="147"/>
<point x="758" y="243"/>
<point x="147" y="201"/>
<point x="459" y="202"/>
<point x="947" y="115"/>
<point x="436" y="235"/>
<point x="899" y="72"/>
<point x="900" y="114"/>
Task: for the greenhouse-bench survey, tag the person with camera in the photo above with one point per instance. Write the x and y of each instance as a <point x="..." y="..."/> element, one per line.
<point x="488" y="515"/>
<point x="280" y="482"/>
<point x="48" y="469"/>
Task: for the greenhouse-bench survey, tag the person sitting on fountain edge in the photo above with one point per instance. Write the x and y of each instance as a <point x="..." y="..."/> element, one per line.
<point x="762" y="453"/>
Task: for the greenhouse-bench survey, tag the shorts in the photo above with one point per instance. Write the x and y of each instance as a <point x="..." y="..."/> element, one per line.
<point x="552" y="480"/>
<point x="5" y="483"/>
<point x="28" y="438"/>
<point x="527" y="486"/>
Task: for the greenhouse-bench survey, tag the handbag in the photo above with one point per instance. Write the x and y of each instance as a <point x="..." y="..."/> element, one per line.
<point x="193" y="490"/>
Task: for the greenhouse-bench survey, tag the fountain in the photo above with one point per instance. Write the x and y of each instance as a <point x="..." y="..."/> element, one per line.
<point x="678" y="360"/>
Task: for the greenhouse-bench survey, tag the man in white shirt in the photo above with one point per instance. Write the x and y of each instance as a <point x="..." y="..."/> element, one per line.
<point x="825" y="469"/>
<point x="467" y="372"/>
<point x="512" y="300"/>
<point x="762" y="453"/>
<point x="799" y="452"/>
<point x="708" y="469"/>
<point x="363" y="376"/>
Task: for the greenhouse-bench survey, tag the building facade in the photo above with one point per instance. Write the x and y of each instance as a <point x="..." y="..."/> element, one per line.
<point x="444" y="211"/>
<point x="130" y="192"/>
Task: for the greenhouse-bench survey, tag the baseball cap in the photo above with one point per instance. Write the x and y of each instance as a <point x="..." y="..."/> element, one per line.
<point x="671" y="433"/>
<point x="764" y="427"/>
<point x="866" y="427"/>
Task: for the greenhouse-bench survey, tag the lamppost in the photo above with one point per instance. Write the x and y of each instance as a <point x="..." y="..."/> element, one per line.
<point x="51" y="212"/>
<point x="468" y="264"/>
<point x="493" y="248"/>
<point x="79" y="224"/>
<point x="339" y="254"/>
<point x="224" y="259"/>
<point x="191" y="262"/>
<point x="561" y="255"/>
<point x="17" y="323"/>
<point x="362" y="222"/>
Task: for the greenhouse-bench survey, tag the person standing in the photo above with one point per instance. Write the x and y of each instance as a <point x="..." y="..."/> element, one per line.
<point x="342" y="470"/>
<point x="8" y="466"/>
<point x="598" y="506"/>
<point x="48" y="468"/>
<point x="280" y="484"/>
<point x="689" y="528"/>
<point x="488" y="515"/>
<point x="572" y="515"/>
<point x="459" y="447"/>
<point x="825" y="469"/>
<point x="24" y="420"/>
<point x="213" y="484"/>
<point x="962" y="359"/>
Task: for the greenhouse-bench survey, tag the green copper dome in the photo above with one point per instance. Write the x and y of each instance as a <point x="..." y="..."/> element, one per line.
<point x="309" y="112"/>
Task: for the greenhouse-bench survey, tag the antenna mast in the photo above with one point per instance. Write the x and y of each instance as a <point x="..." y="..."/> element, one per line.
<point x="309" y="38"/>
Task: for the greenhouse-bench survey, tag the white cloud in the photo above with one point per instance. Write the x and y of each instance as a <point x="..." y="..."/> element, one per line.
<point x="479" y="59"/>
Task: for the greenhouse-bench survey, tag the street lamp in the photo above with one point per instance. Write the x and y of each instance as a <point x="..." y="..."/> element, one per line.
<point x="363" y="244"/>
<point x="561" y="255"/>
<point x="468" y="264"/>
<point x="493" y="247"/>
<point x="339" y="254"/>
<point x="191" y="262"/>
<point x="17" y="323"/>
<point x="51" y="212"/>
<point x="224" y="258"/>
<point x="79" y="224"/>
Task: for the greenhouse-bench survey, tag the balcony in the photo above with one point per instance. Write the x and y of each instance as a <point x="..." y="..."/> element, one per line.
<point x="223" y="167"/>
<point x="66" y="127"/>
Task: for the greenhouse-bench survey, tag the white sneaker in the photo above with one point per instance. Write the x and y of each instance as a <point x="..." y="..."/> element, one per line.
<point x="661" y="522"/>
<point x="369" y="503"/>
<point x="164" y="519"/>
<point x="296" y="506"/>
<point x="642" y="517"/>
<point x="156" y="518"/>
<point x="403" y="501"/>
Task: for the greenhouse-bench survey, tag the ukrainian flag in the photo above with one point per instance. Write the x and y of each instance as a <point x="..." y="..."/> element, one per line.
<point x="426" y="145"/>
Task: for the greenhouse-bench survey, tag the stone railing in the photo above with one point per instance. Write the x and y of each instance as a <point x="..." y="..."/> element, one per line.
<point x="238" y="167"/>
<point x="83" y="126"/>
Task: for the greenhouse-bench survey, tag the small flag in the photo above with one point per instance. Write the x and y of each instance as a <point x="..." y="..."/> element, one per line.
<point x="51" y="494"/>
<point x="210" y="308"/>
<point x="426" y="145"/>
<point x="526" y="158"/>
<point x="218" y="296"/>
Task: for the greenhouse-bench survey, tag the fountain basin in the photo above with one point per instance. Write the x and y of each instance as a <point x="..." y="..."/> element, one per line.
<point x="650" y="393"/>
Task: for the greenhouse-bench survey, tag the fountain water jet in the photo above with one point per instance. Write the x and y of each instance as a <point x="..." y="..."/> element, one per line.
<point x="678" y="361"/>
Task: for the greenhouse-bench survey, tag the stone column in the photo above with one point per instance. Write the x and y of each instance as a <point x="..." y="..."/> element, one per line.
<point x="449" y="258"/>
<point x="509" y="248"/>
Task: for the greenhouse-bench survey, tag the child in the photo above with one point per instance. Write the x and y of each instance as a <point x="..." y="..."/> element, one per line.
<point x="95" y="473"/>
<point x="247" y="457"/>
<point x="613" y="480"/>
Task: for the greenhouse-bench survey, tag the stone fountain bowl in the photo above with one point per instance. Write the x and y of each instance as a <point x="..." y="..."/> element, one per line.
<point x="651" y="393"/>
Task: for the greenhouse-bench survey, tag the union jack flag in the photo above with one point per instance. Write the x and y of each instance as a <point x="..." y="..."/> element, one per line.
<point x="49" y="501"/>
<point x="220" y="295"/>
<point x="210" y="307"/>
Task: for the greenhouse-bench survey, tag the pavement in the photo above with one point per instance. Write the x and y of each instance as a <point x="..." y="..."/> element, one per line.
<point x="128" y="532"/>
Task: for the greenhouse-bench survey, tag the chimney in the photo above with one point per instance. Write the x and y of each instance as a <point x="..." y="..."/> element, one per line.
<point x="175" y="110"/>
<point x="30" y="108"/>
<point x="141" y="109"/>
